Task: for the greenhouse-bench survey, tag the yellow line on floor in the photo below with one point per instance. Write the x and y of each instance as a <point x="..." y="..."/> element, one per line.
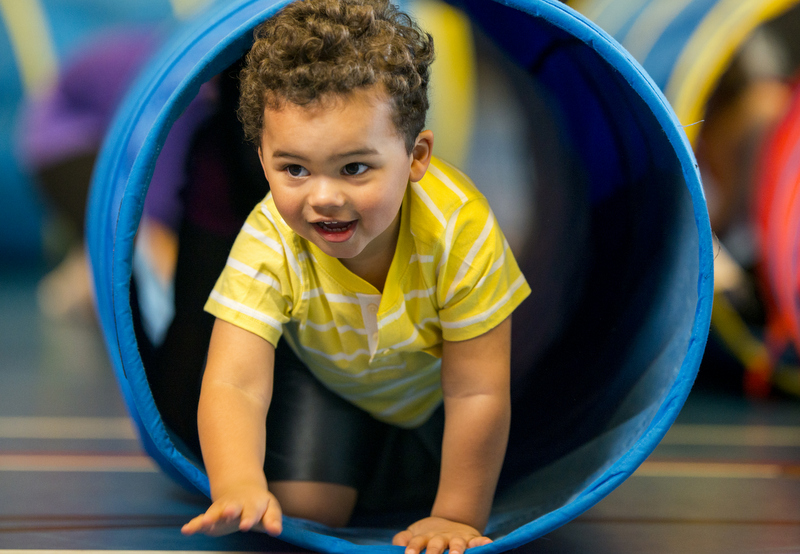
<point x="67" y="428"/>
<point x="29" y="551"/>
<point x="67" y="463"/>
<point x="733" y="435"/>
<point x="722" y="470"/>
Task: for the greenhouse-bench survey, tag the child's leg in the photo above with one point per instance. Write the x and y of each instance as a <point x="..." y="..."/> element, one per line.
<point x="320" y="448"/>
<point x="407" y="456"/>
<point x="328" y="503"/>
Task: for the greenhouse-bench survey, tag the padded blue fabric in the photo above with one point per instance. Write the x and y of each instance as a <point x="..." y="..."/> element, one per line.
<point x="593" y="402"/>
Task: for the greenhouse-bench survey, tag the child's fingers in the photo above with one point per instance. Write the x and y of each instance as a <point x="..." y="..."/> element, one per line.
<point x="214" y="512"/>
<point x="221" y="518"/>
<point x="436" y="545"/>
<point x="402" y="538"/>
<point x="251" y="514"/>
<point x="199" y="524"/>
<point x="478" y="541"/>
<point x="457" y="545"/>
<point x="417" y="544"/>
<point x="273" y="518"/>
<point x="229" y="511"/>
<point x="194" y="526"/>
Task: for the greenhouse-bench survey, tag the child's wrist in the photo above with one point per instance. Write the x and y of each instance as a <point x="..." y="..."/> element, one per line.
<point x="475" y="521"/>
<point x="219" y="489"/>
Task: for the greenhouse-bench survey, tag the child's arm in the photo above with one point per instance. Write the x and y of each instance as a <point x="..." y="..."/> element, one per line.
<point x="477" y="403"/>
<point x="234" y="399"/>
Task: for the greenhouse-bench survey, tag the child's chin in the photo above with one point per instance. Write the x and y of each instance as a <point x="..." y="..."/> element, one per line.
<point x="340" y="250"/>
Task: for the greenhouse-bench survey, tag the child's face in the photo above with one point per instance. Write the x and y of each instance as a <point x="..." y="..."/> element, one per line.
<point x="338" y="171"/>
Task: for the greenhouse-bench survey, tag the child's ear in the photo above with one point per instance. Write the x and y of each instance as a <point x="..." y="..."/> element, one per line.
<point x="261" y="159"/>
<point x="421" y="155"/>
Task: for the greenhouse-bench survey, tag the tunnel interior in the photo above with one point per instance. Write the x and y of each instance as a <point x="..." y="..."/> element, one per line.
<point x="605" y="216"/>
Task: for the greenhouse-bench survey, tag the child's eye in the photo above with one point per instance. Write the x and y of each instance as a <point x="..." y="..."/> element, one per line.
<point x="296" y="170"/>
<point x="354" y="168"/>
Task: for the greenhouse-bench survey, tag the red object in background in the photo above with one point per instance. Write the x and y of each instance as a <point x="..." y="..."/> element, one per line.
<point x="777" y="217"/>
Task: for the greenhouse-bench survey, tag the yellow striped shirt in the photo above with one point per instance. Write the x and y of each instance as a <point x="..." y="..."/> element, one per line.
<point x="453" y="277"/>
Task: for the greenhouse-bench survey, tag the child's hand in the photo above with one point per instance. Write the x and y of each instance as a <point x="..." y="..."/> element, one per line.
<point x="437" y="534"/>
<point x="239" y="510"/>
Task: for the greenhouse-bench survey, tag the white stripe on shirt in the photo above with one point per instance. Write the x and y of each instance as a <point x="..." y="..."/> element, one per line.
<point x="424" y="322"/>
<point x="409" y="400"/>
<point x="412" y="338"/>
<point x="488" y="313"/>
<point x="434" y="209"/>
<point x="253" y="273"/>
<point x="496" y="266"/>
<point x="331" y="297"/>
<point x="390" y="385"/>
<point x="261" y="237"/>
<point x="439" y="174"/>
<point x="339" y="356"/>
<point x="392" y="316"/>
<point x="416" y="258"/>
<point x="372" y="370"/>
<point x="322" y="328"/>
<point x="470" y="257"/>
<point x="420" y="293"/>
<point x="341" y="298"/>
<point x="448" y="237"/>
<point x="246" y="310"/>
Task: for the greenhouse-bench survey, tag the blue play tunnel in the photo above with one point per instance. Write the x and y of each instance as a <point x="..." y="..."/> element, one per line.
<point x="617" y="249"/>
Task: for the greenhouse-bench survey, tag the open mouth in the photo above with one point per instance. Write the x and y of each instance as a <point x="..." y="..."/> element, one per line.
<point x="335" y="226"/>
<point x="336" y="231"/>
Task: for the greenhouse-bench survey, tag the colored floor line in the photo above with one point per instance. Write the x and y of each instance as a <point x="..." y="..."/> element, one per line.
<point x="121" y="428"/>
<point x="718" y="470"/>
<point x="26" y="551"/>
<point x="140" y="463"/>
<point x="693" y="521"/>
<point x="66" y="463"/>
<point x="89" y="428"/>
<point x="733" y="435"/>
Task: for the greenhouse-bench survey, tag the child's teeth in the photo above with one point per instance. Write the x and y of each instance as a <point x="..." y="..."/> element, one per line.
<point x="334" y="225"/>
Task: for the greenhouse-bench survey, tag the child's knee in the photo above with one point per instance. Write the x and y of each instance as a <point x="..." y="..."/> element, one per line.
<point x="327" y="503"/>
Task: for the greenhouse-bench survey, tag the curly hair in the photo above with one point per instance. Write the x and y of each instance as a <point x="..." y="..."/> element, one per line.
<point x="314" y="48"/>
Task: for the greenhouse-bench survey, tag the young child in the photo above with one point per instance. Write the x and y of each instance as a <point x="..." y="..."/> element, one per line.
<point x="386" y="273"/>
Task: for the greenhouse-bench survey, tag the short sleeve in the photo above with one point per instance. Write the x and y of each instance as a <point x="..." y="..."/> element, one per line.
<point x="479" y="281"/>
<point x="254" y="290"/>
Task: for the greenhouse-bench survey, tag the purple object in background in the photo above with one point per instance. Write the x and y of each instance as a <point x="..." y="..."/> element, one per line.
<point x="72" y="118"/>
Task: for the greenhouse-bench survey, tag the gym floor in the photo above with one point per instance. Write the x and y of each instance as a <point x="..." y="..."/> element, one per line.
<point x="726" y="479"/>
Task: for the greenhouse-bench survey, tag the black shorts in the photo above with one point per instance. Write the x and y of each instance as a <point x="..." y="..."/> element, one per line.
<point x="315" y="435"/>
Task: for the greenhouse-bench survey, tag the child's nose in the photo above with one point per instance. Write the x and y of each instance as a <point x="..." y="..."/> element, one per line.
<point x="325" y="193"/>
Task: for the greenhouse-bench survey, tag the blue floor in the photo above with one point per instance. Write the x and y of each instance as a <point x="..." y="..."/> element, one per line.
<point x="726" y="479"/>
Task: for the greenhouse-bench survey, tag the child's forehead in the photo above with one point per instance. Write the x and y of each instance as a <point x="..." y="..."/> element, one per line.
<point x="373" y="96"/>
<point x="369" y="109"/>
<point x="358" y="120"/>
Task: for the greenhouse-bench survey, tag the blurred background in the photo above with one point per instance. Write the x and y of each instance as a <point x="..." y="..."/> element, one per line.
<point x="64" y="67"/>
<point x="42" y="42"/>
<point x="730" y="69"/>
